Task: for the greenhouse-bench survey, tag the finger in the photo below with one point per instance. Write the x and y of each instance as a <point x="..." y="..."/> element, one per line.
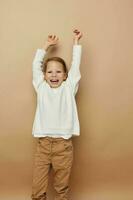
<point x="81" y="34"/>
<point x="77" y="33"/>
<point x="49" y="36"/>
<point x="55" y="36"/>
<point x="75" y="29"/>
<point x="52" y="37"/>
<point x="56" y="39"/>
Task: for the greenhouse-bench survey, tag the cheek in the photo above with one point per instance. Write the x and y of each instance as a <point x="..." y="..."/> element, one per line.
<point x="47" y="75"/>
<point x="62" y="76"/>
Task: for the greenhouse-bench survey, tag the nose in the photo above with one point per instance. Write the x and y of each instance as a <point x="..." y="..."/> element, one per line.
<point x="54" y="74"/>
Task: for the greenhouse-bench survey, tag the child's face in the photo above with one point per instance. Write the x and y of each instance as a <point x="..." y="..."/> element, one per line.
<point x="54" y="74"/>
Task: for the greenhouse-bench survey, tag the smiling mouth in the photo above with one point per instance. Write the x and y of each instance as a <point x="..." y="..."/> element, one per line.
<point x="54" y="81"/>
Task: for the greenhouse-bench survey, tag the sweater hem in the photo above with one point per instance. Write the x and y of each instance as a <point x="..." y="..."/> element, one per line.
<point x="64" y="133"/>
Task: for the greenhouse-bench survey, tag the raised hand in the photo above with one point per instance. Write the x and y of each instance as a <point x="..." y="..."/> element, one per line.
<point x="51" y="41"/>
<point x="77" y="36"/>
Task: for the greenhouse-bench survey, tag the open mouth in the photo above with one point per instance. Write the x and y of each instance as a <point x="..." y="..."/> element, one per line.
<point x="54" y="81"/>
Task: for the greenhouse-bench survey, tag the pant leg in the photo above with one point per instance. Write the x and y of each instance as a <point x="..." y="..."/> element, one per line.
<point x="41" y="169"/>
<point x="62" y="159"/>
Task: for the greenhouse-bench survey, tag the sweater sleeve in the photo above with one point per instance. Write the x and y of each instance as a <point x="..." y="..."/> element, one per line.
<point x="38" y="76"/>
<point x="74" y="72"/>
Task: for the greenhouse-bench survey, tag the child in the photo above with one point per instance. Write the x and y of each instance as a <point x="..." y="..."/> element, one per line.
<point x="56" y="118"/>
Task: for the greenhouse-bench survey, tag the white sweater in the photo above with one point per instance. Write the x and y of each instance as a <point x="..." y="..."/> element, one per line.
<point x="56" y="113"/>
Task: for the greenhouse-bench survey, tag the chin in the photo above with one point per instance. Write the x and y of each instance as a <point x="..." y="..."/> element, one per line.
<point x="55" y="86"/>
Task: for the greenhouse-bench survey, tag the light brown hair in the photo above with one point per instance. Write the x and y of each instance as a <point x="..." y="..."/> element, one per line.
<point x="57" y="59"/>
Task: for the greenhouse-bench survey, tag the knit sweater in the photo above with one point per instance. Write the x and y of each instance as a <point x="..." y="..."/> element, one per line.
<point x="56" y="112"/>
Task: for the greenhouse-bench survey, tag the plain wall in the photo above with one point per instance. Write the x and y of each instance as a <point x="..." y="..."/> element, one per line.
<point x="103" y="162"/>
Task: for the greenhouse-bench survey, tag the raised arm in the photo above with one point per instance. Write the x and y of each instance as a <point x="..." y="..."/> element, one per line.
<point x="74" y="72"/>
<point x="38" y="75"/>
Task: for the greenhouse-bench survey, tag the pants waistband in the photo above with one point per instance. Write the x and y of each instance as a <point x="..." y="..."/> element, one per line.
<point x="51" y="139"/>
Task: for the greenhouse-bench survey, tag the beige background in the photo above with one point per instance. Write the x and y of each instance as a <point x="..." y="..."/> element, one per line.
<point x="103" y="164"/>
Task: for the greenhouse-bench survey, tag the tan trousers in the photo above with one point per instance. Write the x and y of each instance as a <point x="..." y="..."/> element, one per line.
<point x="58" y="153"/>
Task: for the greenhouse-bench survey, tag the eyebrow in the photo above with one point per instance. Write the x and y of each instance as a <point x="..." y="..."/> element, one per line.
<point x="56" y="70"/>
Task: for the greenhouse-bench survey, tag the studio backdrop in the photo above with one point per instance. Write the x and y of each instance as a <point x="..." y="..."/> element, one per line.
<point x="103" y="153"/>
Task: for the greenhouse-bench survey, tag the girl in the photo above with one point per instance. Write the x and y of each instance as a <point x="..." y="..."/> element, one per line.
<point x="56" y="118"/>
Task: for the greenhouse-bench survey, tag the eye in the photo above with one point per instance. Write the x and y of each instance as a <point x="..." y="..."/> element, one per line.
<point x="58" y="71"/>
<point x="49" y="71"/>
